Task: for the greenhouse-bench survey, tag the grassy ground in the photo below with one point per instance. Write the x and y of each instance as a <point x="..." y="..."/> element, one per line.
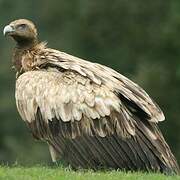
<point x="34" y="173"/>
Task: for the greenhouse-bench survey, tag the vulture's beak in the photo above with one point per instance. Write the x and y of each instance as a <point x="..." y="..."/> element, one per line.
<point x="8" y="30"/>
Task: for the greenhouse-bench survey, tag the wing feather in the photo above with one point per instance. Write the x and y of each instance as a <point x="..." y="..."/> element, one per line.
<point x="100" y="74"/>
<point x="65" y="96"/>
<point x="88" y="124"/>
<point x="91" y="115"/>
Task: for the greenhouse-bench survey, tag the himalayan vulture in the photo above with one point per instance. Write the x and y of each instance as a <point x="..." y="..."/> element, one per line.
<point x="89" y="115"/>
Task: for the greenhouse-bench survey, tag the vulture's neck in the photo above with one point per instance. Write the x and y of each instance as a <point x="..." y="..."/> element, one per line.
<point x="23" y="56"/>
<point x="25" y="44"/>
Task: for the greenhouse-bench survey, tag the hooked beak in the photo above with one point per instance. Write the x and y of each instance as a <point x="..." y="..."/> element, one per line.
<point x="8" y="30"/>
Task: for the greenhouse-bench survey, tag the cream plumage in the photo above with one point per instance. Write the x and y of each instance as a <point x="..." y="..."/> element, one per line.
<point x="90" y="115"/>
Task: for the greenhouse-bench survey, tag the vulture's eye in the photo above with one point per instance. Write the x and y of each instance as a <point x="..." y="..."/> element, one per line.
<point x="22" y="26"/>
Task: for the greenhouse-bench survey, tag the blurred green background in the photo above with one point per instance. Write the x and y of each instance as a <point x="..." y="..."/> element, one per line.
<point x="138" y="38"/>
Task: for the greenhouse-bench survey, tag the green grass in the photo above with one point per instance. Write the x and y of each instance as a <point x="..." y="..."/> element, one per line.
<point x="59" y="173"/>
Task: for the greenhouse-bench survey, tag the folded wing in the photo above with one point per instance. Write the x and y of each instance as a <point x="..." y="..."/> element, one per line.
<point x="92" y="116"/>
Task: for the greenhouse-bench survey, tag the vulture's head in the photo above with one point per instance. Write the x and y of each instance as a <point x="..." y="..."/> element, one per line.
<point x="22" y="31"/>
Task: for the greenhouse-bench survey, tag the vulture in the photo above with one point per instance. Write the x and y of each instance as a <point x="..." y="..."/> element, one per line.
<point x="91" y="116"/>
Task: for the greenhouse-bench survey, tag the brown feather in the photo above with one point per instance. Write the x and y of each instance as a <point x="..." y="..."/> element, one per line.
<point x="90" y="115"/>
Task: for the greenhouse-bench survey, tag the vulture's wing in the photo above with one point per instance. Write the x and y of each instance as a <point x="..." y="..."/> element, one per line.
<point x="92" y="116"/>
<point x="118" y="83"/>
<point x="69" y="97"/>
